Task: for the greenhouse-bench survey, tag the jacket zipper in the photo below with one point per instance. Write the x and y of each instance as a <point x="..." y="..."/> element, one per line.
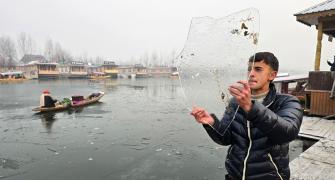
<point x="231" y="148"/>
<point x="271" y="156"/>
<point x="246" y="158"/>
<point x="274" y="165"/>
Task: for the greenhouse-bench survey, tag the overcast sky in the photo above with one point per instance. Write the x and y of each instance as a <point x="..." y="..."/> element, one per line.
<point x="121" y="29"/>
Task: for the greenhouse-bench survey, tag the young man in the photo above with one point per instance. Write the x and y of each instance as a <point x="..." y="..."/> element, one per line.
<point x="262" y="128"/>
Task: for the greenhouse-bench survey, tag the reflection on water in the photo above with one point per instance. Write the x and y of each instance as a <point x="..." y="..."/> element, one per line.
<point x="47" y="120"/>
<point x="9" y="164"/>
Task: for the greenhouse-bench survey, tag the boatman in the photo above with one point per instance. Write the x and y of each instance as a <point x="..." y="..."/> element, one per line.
<point x="261" y="130"/>
<point x="46" y="100"/>
<point x="332" y="65"/>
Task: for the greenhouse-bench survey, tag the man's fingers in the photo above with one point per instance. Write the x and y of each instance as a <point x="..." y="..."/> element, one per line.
<point x="237" y="86"/>
<point x="234" y="91"/>
<point x="198" y="113"/>
<point x="244" y="83"/>
<point x="195" y="110"/>
<point x="237" y="94"/>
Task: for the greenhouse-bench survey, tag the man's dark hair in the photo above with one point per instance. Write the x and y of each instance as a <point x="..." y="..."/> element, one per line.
<point x="268" y="58"/>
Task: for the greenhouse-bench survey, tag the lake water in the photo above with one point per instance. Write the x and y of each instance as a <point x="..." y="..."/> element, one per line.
<point x="140" y="130"/>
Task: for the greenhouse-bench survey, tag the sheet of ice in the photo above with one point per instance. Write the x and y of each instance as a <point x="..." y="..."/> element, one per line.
<point x="215" y="56"/>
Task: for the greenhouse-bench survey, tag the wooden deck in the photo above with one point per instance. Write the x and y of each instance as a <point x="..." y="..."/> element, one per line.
<point x="318" y="161"/>
<point x="317" y="128"/>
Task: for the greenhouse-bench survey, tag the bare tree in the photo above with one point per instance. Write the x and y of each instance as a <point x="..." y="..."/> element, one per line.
<point x="84" y="57"/>
<point x="60" y="55"/>
<point x="2" y="61"/>
<point x="99" y="60"/>
<point x="7" y="51"/>
<point x="161" y="59"/>
<point x="154" y="59"/>
<point x="49" y="50"/>
<point x="145" y="59"/>
<point x="25" y="44"/>
<point x="91" y="60"/>
<point x="134" y="61"/>
<point x="67" y="57"/>
<point x="173" y="57"/>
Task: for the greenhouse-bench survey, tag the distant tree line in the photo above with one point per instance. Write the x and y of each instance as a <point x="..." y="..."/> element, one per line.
<point x="12" y="51"/>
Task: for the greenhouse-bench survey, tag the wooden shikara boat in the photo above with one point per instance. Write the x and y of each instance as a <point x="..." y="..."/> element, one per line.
<point x="93" y="98"/>
<point x="59" y="107"/>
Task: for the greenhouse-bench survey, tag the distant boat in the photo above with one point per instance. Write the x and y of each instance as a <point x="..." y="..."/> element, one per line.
<point x="175" y="74"/>
<point x="12" y="76"/>
<point x="99" y="75"/>
<point x="142" y="74"/>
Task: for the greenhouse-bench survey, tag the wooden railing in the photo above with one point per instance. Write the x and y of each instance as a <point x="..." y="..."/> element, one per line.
<point x="332" y="95"/>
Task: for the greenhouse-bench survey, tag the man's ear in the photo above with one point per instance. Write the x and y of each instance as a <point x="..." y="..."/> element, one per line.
<point x="272" y="75"/>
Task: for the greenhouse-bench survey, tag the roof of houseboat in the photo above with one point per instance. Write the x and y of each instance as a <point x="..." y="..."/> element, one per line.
<point x="292" y="78"/>
<point x="324" y="6"/>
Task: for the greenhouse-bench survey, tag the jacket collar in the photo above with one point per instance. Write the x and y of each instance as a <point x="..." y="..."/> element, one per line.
<point x="268" y="100"/>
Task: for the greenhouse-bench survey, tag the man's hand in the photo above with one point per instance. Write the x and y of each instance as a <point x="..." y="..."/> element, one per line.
<point x="241" y="91"/>
<point x="202" y="116"/>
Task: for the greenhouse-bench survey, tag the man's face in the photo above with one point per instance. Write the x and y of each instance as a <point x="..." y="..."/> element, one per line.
<point x="260" y="75"/>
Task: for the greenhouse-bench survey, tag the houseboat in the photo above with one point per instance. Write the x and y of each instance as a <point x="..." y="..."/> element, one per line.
<point x="48" y="70"/>
<point x="290" y="84"/>
<point x="29" y="65"/>
<point x="159" y="71"/>
<point x="77" y="70"/>
<point x="91" y="69"/>
<point x="321" y="84"/>
<point x="140" y="71"/>
<point x="30" y="70"/>
<point x="41" y="70"/>
<point x="110" y="68"/>
<point x="318" y="161"/>
<point x="295" y="85"/>
<point x="126" y="71"/>
<point x="64" y="71"/>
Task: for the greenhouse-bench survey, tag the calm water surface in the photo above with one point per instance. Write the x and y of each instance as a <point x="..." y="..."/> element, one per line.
<point x="140" y="130"/>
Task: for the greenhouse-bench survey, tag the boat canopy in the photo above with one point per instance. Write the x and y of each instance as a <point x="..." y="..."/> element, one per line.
<point x="12" y="73"/>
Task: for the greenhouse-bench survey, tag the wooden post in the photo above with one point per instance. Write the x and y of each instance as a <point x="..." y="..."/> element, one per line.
<point x="318" y="47"/>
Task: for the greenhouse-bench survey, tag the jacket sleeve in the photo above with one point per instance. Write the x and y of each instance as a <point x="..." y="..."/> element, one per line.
<point x="282" y="126"/>
<point x="53" y="100"/>
<point x="218" y="131"/>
